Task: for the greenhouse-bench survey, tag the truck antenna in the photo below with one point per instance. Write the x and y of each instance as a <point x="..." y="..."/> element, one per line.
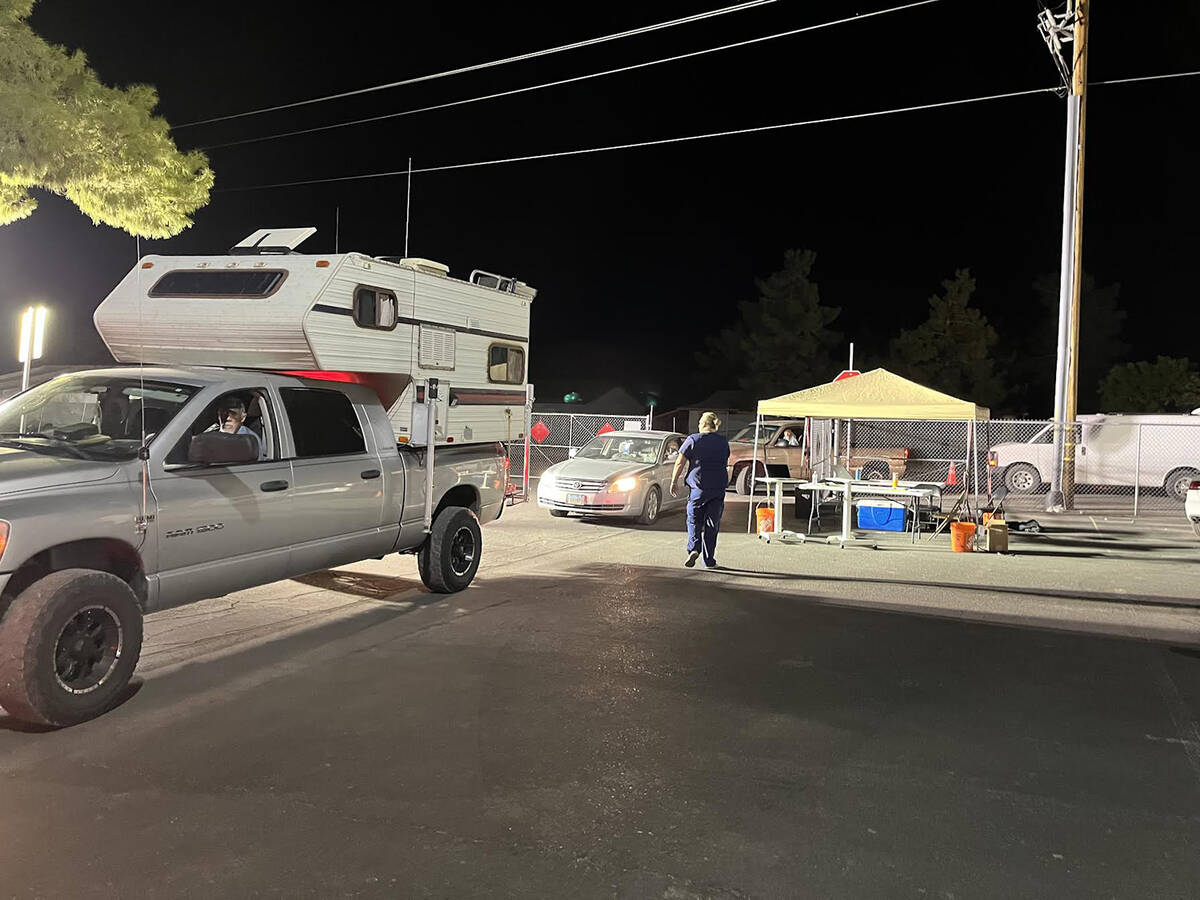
<point x="407" y="206"/>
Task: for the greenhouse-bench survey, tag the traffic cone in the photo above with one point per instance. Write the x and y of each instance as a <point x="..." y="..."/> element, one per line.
<point x="952" y="475"/>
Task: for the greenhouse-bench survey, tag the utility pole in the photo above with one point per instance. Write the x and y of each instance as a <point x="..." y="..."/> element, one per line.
<point x="1071" y="27"/>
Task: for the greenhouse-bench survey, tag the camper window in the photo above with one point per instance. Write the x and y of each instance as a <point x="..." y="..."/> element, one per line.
<point x="219" y="283"/>
<point x="324" y="423"/>
<point x="506" y="365"/>
<point x="375" y="308"/>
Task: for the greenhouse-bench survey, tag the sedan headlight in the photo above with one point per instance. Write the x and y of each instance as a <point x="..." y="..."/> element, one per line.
<point x="548" y="480"/>
<point x="624" y="485"/>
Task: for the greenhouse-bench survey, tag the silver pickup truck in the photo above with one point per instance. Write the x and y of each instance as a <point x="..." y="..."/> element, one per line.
<point x="128" y="490"/>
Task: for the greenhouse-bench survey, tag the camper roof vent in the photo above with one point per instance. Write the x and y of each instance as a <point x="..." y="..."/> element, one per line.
<point x="502" y="283"/>
<point x="428" y="266"/>
<point x="272" y="240"/>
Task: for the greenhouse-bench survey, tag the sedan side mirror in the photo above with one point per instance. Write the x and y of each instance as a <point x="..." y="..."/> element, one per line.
<point x="216" y="448"/>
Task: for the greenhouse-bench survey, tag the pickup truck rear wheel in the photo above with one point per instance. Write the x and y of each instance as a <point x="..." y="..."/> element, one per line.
<point x="68" y="647"/>
<point x="449" y="558"/>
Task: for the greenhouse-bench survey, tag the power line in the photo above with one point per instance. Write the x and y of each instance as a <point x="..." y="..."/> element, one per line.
<point x="695" y="137"/>
<point x="632" y="32"/>
<point x="578" y="78"/>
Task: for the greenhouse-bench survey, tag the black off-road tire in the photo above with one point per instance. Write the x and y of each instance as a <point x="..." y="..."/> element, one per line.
<point x="652" y="508"/>
<point x="97" y="619"/>
<point x="449" y="558"/>
<point x="1022" y="478"/>
<point x="1177" y="481"/>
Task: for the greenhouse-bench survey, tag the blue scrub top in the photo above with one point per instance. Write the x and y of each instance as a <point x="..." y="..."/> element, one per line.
<point x="709" y="457"/>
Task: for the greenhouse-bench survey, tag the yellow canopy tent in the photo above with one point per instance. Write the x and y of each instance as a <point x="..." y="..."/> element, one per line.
<point x="878" y="394"/>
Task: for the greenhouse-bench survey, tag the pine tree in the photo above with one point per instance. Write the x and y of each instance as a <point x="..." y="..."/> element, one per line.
<point x="952" y="349"/>
<point x="785" y="340"/>
<point x="102" y="148"/>
<point x="1168" y="385"/>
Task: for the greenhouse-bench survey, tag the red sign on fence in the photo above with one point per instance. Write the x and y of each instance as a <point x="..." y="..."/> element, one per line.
<point x="539" y="432"/>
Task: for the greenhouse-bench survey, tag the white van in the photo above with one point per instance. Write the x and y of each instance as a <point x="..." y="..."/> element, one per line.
<point x="1154" y="451"/>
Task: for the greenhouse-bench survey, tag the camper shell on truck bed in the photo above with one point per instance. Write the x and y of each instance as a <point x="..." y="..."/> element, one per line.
<point x="387" y="322"/>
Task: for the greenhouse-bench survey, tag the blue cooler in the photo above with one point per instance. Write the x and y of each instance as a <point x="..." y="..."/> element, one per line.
<point x="881" y="515"/>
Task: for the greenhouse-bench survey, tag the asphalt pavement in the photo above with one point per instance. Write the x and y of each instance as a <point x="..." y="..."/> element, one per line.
<point x="592" y="720"/>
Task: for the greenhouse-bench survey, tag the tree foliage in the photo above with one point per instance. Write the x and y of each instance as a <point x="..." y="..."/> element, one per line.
<point x="100" y="147"/>
<point x="783" y="340"/>
<point x="1169" y="385"/>
<point x="952" y="349"/>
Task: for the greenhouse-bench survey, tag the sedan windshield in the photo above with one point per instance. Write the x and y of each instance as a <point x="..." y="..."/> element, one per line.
<point x="621" y="448"/>
<point x="90" y="417"/>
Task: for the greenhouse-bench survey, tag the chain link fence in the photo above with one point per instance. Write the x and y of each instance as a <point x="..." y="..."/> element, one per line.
<point x="554" y="437"/>
<point x="1122" y="468"/>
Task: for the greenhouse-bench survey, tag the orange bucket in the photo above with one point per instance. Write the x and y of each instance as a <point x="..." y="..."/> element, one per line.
<point x="766" y="519"/>
<point x="961" y="535"/>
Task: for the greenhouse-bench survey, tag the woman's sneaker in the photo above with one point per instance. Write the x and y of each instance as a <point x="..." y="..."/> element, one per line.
<point x="692" y="557"/>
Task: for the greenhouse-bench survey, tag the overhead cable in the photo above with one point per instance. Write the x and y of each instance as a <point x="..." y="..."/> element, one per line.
<point x="695" y="137"/>
<point x="549" y="84"/>
<point x="632" y="32"/>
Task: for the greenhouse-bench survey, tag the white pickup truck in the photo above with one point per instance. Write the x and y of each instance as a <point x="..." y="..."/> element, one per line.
<point x="132" y="489"/>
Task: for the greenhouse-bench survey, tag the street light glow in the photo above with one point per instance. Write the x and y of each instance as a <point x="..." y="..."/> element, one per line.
<point x="33" y="334"/>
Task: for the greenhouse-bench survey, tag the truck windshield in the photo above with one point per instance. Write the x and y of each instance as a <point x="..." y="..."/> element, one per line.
<point x="90" y="417"/>
<point x="765" y="432"/>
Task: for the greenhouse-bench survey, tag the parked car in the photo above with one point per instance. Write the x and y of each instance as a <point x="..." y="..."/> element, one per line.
<point x="1153" y="451"/>
<point x="119" y="496"/>
<point x="620" y="473"/>
<point x="781" y="459"/>
<point x="1191" y="505"/>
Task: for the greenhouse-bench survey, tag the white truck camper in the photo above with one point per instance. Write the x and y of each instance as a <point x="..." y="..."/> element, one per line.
<point x="393" y="324"/>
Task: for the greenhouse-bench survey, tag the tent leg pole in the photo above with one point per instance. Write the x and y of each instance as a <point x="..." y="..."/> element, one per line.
<point x="753" y="472"/>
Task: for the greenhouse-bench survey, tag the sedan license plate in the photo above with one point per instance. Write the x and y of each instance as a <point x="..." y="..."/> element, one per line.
<point x="577" y="499"/>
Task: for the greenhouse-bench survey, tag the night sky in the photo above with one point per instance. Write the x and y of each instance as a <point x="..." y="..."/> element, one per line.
<point x="638" y="255"/>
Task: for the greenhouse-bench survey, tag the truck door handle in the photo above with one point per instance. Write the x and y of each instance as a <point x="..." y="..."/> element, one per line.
<point x="269" y="486"/>
<point x="369" y="474"/>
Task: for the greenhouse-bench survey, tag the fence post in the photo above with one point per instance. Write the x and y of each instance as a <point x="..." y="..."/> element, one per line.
<point x="570" y="433"/>
<point x="1137" y="472"/>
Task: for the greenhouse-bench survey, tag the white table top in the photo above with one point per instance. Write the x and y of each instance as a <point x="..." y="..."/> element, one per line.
<point x="881" y="488"/>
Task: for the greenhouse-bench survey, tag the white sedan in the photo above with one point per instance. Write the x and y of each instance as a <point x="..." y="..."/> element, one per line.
<point x="1191" y="505"/>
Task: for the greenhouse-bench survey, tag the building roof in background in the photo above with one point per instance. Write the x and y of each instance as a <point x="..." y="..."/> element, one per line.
<point x="614" y="401"/>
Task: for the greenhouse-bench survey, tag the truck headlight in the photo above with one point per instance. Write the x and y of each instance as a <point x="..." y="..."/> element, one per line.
<point x="624" y="485"/>
<point x="3" y="537"/>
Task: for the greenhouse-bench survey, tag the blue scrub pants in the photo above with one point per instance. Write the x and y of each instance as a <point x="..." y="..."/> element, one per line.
<point x="704" y="524"/>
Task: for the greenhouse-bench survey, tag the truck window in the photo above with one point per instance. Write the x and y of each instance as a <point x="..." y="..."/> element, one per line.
<point x="253" y="413"/>
<point x="375" y="308"/>
<point x="324" y="423"/>
<point x="506" y="365"/>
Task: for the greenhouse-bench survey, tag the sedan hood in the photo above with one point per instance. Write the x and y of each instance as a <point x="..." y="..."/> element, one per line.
<point x="596" y="469"/>
<point x="25" y="470"/>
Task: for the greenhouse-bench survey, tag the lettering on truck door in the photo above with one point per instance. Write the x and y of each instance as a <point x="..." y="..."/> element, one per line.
<point x="221" y="528"/>
<point x="338" y="501"/>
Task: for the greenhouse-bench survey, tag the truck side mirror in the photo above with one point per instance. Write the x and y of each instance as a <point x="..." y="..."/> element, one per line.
<point x="216" y="448"/>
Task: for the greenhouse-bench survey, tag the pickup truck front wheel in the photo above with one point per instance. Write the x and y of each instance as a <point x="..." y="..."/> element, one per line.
<point x="68" y="647"/>
<point x="449" y="558"/>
